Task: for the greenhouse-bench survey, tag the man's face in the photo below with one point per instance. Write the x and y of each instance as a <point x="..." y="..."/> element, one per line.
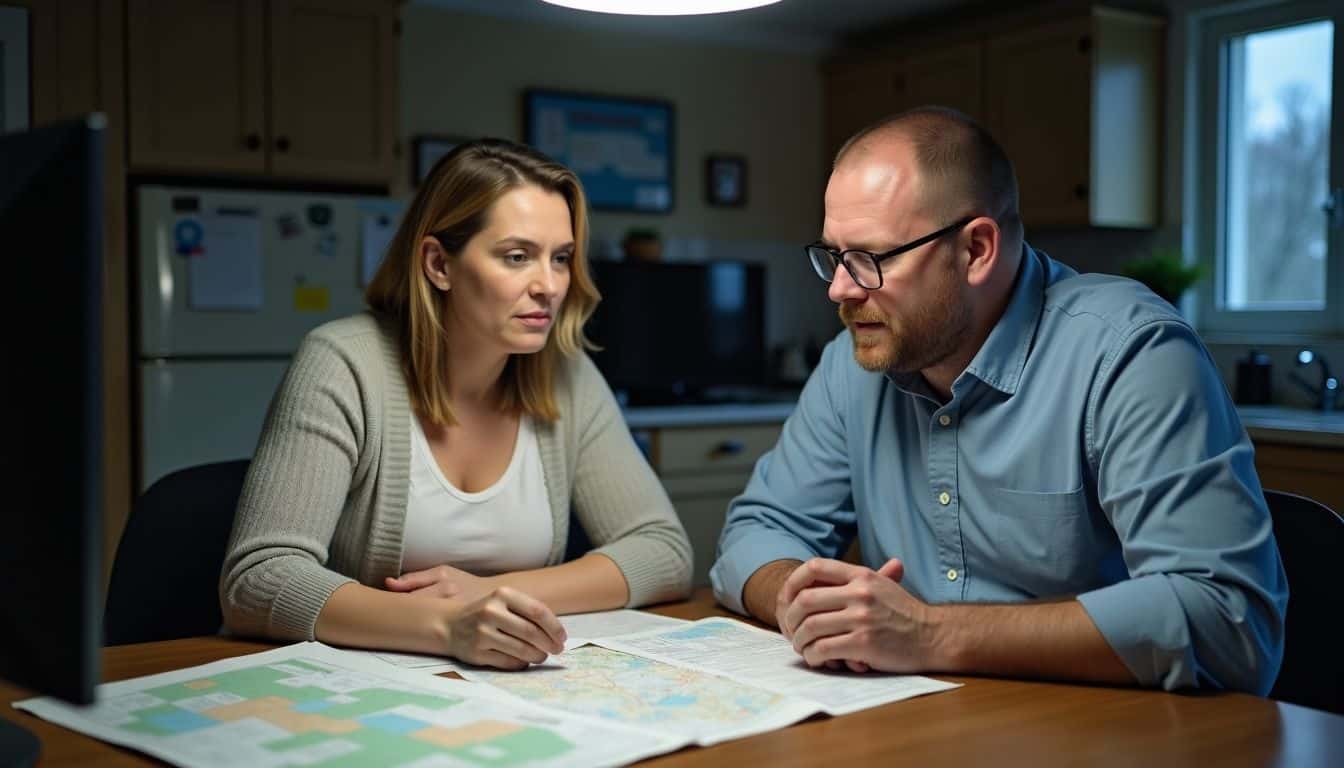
<point x="922" y="311"/>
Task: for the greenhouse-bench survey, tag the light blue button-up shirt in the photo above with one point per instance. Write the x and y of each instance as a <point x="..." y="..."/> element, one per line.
<point x="1090" y="449"/>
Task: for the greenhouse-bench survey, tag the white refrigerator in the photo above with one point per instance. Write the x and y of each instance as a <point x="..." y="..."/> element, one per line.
<point x="229" y="281"/>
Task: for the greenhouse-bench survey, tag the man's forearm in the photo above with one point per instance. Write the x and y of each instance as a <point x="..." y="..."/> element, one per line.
<point x="762" y="589"/>
<point x="1056" y="641"/>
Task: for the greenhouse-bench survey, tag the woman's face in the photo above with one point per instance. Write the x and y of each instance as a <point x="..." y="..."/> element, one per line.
<point x="506" y="287"/>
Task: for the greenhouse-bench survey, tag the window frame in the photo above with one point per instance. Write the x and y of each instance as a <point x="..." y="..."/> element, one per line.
<point x="1208" y="184"/>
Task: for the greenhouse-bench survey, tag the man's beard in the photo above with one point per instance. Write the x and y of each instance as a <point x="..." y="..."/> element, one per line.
<point x="919" y="341"/>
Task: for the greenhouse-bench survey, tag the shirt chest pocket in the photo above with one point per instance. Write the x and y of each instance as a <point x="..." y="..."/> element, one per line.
<point x="1042" y="538"/>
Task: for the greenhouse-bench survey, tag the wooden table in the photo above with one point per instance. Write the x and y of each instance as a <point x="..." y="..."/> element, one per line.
<point x="985" y="722"/>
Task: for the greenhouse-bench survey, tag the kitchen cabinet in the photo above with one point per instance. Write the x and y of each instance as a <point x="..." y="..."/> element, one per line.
<point x="295" y="89"/>
<point x="703" y="468"/>
<point x="77" y="50"/>
<point x="1312" y="471"/>
<point x="1075" y="101"/>
<point x="1076" y="105"/>
<point x="859" y="94"/>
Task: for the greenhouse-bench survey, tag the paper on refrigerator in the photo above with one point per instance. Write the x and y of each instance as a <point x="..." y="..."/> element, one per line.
<point x="376" y="235"/>
<point x="224" y="263"/>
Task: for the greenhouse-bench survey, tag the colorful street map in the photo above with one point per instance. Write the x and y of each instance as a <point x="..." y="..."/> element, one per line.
<point x="592" y="680"/>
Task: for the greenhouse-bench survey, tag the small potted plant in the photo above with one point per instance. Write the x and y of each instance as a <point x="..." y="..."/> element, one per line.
<point x="643" y="244"/>
<point x="1165" y="272"/>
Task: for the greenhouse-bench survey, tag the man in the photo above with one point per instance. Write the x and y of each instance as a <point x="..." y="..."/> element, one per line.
<point x="1043" y="467"/>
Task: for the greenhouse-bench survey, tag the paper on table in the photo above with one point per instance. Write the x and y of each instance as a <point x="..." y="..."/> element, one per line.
<point x="224" y="271"/>
<point x="419" y="662"/>
<point x="307" y="703"/>
<point x="639" y="692"/>
<point x="765" y="659"/>
<point x="378" y="231"/>
<point x="580" y="629"/>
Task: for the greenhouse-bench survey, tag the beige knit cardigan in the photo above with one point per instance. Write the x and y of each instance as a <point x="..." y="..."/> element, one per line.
<point x="324" y="502"/>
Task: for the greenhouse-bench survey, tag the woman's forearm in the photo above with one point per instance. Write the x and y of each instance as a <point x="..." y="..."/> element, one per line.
<point x="591" y="583"/>
<point x="363" y="617"/>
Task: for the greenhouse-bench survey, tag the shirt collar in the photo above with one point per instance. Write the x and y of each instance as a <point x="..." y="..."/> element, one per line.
<point x="1003" y="356"/>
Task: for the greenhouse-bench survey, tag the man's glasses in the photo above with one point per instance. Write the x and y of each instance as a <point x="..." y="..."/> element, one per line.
<point x="864" y="266"/>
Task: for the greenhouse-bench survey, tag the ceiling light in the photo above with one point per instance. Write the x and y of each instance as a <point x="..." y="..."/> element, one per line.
<point x="661" y="7"/>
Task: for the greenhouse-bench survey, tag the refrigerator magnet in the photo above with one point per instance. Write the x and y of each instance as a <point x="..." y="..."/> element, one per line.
<point x="319" y="215"/>
<point x="288" y="226"/>
<point x="188" y="235"/>
<point x="312" y="298"/>
<point x="327" y="245"/>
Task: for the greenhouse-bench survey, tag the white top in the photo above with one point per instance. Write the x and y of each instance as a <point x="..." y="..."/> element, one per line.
<point x="506" y="527"/>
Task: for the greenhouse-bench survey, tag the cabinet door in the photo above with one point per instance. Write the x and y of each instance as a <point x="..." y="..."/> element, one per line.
<point x="196" y="85"/>
<point x="333" y="89"/>
<point x="703" y="518"/>
<point x="1306" y="471"/>
<point x="857" y="95"/>
<point x="1038" y="105"/>
<point x="948" y="77"/>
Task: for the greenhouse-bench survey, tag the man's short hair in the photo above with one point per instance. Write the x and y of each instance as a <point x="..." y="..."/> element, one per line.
<point x="962" y="164"/>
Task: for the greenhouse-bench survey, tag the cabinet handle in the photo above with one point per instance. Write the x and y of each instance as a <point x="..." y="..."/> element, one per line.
<point x="282" y="144"/>
<point x="252" y="141"/>
<point x="1080" y="191"/>
<point x="728" y="448"/>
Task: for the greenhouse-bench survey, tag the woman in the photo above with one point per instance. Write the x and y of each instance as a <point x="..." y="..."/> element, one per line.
<point x="433" y="446"/>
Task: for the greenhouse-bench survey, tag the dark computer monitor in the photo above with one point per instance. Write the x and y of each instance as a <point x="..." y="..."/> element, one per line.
<point x="679" y="332"/>
<point x="51" y="228"/>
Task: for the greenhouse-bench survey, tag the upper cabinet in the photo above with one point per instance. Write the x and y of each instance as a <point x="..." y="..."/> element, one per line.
<point x="1075" y="102"/>
<point x="298" y="89"/>
<point x="859" y="94"/>
<point x="197" y="85"/>
<point x="333" y="88"/>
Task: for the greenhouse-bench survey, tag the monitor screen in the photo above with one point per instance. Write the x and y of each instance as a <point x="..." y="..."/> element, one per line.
<point x="51" y="221"/>
<point x="674" y="332"/>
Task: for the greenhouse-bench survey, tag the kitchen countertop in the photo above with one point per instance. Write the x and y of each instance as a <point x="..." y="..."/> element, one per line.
<point x="645" y="417"/>
<point x="1264" y="423"/>
<point x="1293" y="426"/>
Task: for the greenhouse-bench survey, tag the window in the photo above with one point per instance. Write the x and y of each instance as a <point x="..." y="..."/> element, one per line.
<point x="1270" y="162"/>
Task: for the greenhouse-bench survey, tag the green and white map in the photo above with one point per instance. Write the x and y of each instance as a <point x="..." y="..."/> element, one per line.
<point x="308" y="704"/>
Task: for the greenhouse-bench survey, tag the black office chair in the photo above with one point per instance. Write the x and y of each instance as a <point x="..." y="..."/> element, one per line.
<point x="165" y="578"/>
<point x="1311" y="539"/>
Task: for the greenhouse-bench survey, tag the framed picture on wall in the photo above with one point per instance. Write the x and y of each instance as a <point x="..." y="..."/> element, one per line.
<point x="621" y="148"/>
<point x="726" y="180"/>
<point x="426" y="149"/>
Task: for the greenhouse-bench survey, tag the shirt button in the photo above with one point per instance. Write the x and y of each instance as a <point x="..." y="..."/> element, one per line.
<point x="951" y="574"/>
<point x="944" y="419"/>
<point x="944" y="498"/>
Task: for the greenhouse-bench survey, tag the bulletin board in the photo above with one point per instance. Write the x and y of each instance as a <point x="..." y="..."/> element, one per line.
<point x="621" y="148"/>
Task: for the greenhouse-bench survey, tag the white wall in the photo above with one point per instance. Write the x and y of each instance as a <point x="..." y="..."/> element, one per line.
<point x="464" y="75"/>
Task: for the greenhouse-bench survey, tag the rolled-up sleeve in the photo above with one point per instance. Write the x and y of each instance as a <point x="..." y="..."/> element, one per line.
<point x="798" y="503"/>
<point x="1205" y="602"/>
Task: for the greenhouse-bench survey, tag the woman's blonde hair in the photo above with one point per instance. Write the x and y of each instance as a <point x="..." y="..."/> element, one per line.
<point x="453" y="205"/>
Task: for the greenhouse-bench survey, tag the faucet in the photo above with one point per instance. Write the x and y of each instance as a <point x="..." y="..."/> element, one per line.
<point x="1328" y="392"/>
